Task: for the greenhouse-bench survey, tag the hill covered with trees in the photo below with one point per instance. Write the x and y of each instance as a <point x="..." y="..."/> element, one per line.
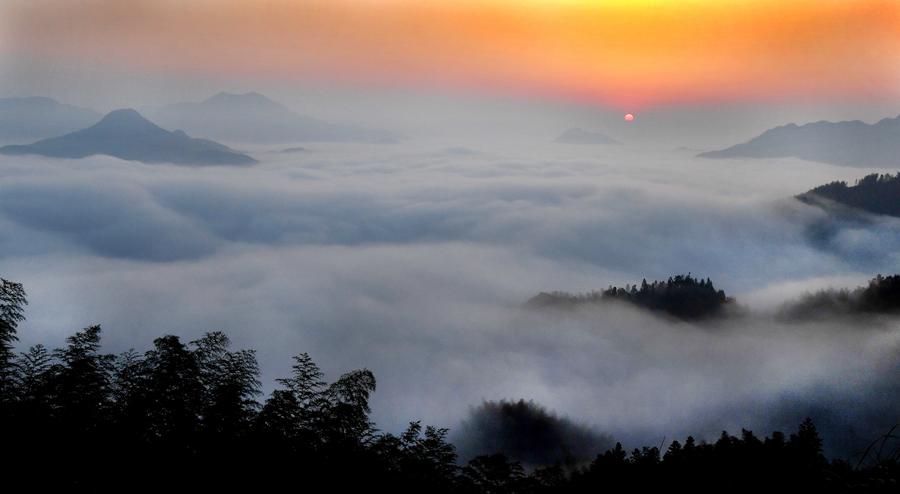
<point x="880" y="296"/>
<point x="682" y="297"/>
<point x="186" y="416"/>
<point x="876" y="194"/>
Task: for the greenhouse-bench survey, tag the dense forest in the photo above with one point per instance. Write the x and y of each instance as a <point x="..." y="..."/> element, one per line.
<point x="690" y="299"/>
<point x="880" y="296"/>
<point x="682" y="297"/>
<point x="877" y="194"/>
<point x="187" y="416"/>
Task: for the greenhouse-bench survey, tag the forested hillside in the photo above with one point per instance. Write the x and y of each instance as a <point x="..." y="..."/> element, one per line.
<point x="682" y="297"/>
<point x="877" y="194"/>
<point x="188" y="416"/>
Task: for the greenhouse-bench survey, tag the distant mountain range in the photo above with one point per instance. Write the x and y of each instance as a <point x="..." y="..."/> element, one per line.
<point x="851" y="143"/>
<point x="127" y="135"/>
<point x="24" y="119"/>
<point x="252" y="117"/>
<point x="581" y="136"/>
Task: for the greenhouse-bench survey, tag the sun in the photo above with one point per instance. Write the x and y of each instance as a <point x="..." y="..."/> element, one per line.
<point x="629" y="117"/>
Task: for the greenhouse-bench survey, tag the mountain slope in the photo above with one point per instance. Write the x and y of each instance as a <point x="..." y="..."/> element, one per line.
<point x="127" y="135"/>
<point x="252" y="117"/>
<point x="24" y="119"/>
<point x="876" y="194"/>
<point x="852" y="143"/>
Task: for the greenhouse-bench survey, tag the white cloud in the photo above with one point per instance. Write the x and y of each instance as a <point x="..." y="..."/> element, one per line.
<point x="414" y="261"/>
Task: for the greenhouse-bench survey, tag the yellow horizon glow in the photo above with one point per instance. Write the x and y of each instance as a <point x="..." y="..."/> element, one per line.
<point x="626" y="53"/>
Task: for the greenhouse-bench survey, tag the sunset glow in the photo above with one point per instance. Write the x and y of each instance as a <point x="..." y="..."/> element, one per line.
<point x="628" y="54"/>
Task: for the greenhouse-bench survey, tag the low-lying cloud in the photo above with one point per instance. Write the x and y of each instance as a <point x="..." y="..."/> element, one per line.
<point x="415" y="263"/>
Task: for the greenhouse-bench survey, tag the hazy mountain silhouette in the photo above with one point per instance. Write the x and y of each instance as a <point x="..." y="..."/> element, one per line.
<point x="252" y="117"/>
<point x="127" y="135"/>
<point x="852" y="143"/>
<point x="296" y="149"/>
<point x="23" y="119"/>
<point x="580" y="136"/>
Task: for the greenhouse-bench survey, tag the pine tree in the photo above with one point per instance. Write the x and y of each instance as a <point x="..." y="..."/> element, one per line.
<point x="12" y="312"/>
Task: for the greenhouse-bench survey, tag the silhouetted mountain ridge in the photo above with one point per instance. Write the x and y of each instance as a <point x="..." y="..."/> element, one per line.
<point x="848" y="143"/>
<point x="127" y="135"/>
<point x="252" y="117"/>
<point x="37" y="117"/>
<point x="251" y="99"/>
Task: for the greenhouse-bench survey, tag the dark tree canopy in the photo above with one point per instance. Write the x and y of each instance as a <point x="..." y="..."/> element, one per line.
<point x="526" y="432"/>
<point x="877" y="194"/>
<point x="880" y="296"/>
<point x="185" y="417"/>
<point x="682" y="297"/>
<point x="12" y="312"/>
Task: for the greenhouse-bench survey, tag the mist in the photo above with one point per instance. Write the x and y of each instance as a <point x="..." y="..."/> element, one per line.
<point x="415" y="261"/>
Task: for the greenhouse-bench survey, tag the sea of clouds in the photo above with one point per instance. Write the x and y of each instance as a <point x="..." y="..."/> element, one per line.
<point x="414" y="260"/>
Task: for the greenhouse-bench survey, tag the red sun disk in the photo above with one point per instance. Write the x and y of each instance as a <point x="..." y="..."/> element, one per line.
<point x="629" y="117"/>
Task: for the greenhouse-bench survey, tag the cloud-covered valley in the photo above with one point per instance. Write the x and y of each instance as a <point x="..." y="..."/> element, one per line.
<point x="414" y="260"/>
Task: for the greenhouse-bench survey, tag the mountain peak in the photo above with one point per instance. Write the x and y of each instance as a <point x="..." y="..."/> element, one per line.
<point x="126" y="134"/>
<point x="253" y="117"/>
<point x="126" y="116"/>
<point x="252" y="98"/>
<point x="125" y="121"/>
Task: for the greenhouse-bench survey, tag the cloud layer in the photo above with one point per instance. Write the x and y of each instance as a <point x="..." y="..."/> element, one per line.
<point x="414" y="261"/>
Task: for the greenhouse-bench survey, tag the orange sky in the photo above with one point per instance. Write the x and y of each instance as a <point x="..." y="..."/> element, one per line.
<point x="625" y="53"/>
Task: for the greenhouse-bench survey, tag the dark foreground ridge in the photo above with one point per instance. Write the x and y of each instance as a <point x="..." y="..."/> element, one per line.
<point x="183" y="417"/>
<point x="682" y="297"/>
<point x="127" y="135"/>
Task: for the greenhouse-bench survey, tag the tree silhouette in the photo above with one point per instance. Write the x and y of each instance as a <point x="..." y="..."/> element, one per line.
<point x="878" y="194"/>
<point x="493" y="474"/>
<point x="229" y="385"/>
<point x="12" y="312"/>
<point x="185" y="416"/>
<point x="880" y="296"/>
<point x="171" y="399"/>
<point x="682" y="297"/>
